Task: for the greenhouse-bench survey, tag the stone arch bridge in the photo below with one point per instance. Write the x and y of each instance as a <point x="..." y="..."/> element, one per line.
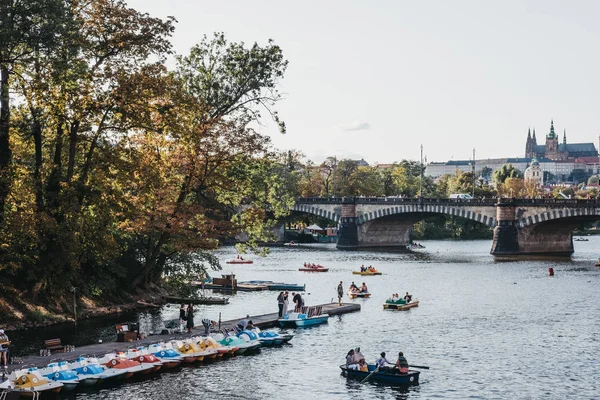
<point x="521" y="226"/>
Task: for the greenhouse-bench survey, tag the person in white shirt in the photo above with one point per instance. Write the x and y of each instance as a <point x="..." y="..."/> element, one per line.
<point x="350" y="364"/>
<point x="381" y="361"/>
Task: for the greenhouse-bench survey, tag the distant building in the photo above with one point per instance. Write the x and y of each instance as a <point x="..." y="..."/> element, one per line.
<point x="533" y="174"/>
<point x="555" y="151"/>
<point x="361" y="162"/>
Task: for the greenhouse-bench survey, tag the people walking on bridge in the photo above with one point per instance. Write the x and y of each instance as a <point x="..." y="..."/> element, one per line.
<point x="340" y="293"/>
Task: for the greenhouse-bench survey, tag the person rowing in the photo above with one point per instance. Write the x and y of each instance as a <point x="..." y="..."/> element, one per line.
<point x="402" y="364"/>
<point x="381" y="361"/>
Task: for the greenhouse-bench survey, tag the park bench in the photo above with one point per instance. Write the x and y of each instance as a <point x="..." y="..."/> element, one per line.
<point x="54" y="345"/>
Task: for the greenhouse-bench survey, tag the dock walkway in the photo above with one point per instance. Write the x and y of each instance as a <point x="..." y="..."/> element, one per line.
<point x="262" y="321"/>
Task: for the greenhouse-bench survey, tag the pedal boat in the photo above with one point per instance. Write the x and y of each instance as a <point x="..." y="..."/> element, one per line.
<point x="30" y="383"/>
<point x="90" y="372"/>
<point x="400" y="305"/>
<point x="301" y="320"/>
<point x="169" y="357"/>
<point x="364" y="295"/>
<point x="144" y="357"/>
<point x="60" y="372"/>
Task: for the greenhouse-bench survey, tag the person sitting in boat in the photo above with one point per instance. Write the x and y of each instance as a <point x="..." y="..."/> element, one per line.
<point x="362" y="268"/>
<point x="362" y="365"/>
<point x="381" y="361"/>
<point x="407" y="297"/>
<point x="364" y="289"/>
<point x="358" y="357"/>
<point x="250" y="325"/>
<point x="402" y="364"/>
<point x="350" y="364"/>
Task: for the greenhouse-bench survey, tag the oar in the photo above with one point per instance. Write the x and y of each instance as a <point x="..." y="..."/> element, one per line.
<point x="419" y="366"/>
<point x="368" y="376"/>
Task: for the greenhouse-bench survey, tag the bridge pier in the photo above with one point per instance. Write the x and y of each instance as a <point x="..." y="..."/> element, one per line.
<point x="348" y="229"/>
<point x="548" y="238"/>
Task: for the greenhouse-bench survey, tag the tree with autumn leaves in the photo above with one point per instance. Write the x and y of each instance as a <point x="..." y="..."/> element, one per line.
<point x="116" y="171"/>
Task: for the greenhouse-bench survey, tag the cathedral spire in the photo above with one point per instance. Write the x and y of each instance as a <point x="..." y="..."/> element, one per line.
<point x="552" y="134"/>
<point x="534" y="135"/>
<point x="565" y="137"/>
<point x="528" y="133"/>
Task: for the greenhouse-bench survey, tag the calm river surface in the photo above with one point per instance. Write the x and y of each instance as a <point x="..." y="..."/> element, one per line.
<point x="487" y="329"/>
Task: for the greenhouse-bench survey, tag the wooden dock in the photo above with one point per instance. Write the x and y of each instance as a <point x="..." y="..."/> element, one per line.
<point x="262" y="321"/>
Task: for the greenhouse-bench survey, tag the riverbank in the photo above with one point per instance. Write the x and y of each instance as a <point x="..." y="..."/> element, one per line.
<point x="20" y="313"/>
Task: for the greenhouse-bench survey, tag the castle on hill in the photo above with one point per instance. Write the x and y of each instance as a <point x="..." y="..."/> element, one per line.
<point x="554" y="150"/>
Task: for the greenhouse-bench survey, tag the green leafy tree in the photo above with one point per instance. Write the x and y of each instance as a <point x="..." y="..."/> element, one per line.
<point x="506" y="171"/>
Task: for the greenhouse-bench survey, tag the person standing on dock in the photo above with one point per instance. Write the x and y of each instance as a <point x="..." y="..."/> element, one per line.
<point x="280" y="300"/>
<point x="340" y="292"/>
<point x="298" y="301"/>
<point x="286" y="303"/>
<point x="182" y="317"/>
<point x="190" y="318"/>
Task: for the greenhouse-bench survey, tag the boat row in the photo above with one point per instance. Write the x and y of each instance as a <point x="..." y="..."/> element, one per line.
<point x="277" y="285"/>
<point x="89" y="371"/>
<point x="313" y="268"/>
<point x="384" y="376"/>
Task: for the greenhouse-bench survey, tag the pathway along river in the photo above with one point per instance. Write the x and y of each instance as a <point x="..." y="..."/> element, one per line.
<point x="487" y="329"/>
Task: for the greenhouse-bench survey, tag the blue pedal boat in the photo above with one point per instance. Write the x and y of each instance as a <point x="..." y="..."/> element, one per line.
<point x="310" y="318"/>
<point x="386" y="377"/>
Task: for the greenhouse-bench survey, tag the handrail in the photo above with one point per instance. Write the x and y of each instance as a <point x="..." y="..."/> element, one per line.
<point x="484" y="201"/>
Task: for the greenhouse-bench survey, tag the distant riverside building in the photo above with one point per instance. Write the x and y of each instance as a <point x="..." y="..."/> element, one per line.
<point x="559" y="159"/>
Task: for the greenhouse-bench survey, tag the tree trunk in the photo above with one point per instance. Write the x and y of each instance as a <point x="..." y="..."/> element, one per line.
<point x="5" y="153"/>
<point x="37" y="176"/>
<point x="73" y="137"/>
<point x="53" y="185"/>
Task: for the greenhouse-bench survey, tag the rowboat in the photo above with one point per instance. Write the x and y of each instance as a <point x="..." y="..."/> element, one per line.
<point x="400" y="305"/>
<point x="316" y="268"/>
<point x="388" y="377"/>
<point x="291" y="244"/>
<point x="239" y="261"/>
<point x="366" y="273"/>
<point x="364" y="295"/>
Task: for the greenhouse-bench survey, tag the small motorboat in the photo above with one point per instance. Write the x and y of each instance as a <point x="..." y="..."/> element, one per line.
<point x="367" y="272"/>
<point x="415" y="246"/>
<point x="388" y="377"/>
<point x="353" y="294"/>
<point x="60" y="372"/>
<point x="311" y="318"/>
<point x="169" y="357"/>
<point x="313" y="268"/>
<point x="291" y="243"/>
<point x="580" y="239"/>
<point x="400" y="305"/>
<point x="29" y="382"/>
<point x="239" y="260"/>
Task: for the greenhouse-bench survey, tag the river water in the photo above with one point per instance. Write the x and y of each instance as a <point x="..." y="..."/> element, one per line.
<point x="487" y="329"/>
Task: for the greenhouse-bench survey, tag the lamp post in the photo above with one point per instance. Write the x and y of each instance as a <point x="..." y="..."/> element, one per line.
<point x="473" y="171"/>
<point x="421" y="175"/>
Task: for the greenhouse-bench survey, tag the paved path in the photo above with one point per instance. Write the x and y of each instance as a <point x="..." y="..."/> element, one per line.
<point x="262" y="321"/>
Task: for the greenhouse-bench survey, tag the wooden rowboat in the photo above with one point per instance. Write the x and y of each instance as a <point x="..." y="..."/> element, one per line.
<point x="387" y="377"/>
<point x="366" y="273"/>
<point x="239" y="262"/>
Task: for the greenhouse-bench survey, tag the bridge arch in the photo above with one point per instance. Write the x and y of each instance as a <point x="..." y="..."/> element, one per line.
<point x="561" y="213"/>
<point x="429" y="209"/>
<point x="318" y="211"/>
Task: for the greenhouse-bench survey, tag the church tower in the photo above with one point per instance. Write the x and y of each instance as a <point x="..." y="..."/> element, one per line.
<point x="552" y="143"/>
<point x="530" y="145"/>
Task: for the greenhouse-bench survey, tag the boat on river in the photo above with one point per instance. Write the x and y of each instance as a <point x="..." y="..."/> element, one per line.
<point x="362" y="295"/>
<point x="60" y="372"/>
<point x="367" y="272"/>
<point x="415" y="246"/>
<point x="400" y="304"/>
<point x="276" y="285"/>
<point x="387" y="377"/>
<point x="579" y="239"/>
<point x="239" y="260"/>
<point x="291" y="243"/>
<point x="30" y="383"/>
<point x="309" y="317"/>
<point x="313" y="268"/>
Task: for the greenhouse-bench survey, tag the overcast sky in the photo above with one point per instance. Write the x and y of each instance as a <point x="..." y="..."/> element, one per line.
<point x="375" y="79"/>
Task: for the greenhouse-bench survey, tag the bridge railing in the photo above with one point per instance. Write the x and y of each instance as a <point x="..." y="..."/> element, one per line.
<point x="485" y="201"/>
